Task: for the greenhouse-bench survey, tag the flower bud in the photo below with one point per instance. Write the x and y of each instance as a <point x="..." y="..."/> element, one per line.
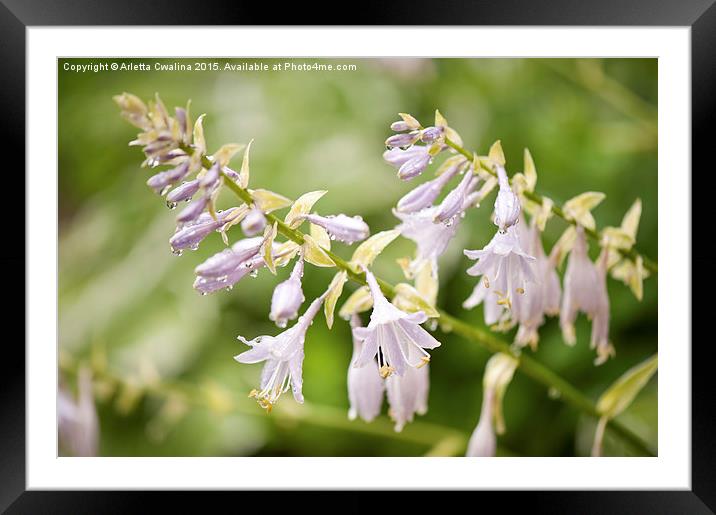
<point x="347" y="229"/>
<point x="399" y="126"/>
<point x="453" y="203"/>
<point x="161" y="181"/>
<point x="211" y="177"/>
<point x="415" y="166"/>
<point x="507" y="204"/>
<point x="287" y="297"/>
<point x="224" y="262"/>
<point x="184" y="191"/>
<point x="254" y="222"/>
<point x="193" y="210"/>
<point x="431" y="134"/>
<point x="402" y="140"/>
<point x="424" y="195"/>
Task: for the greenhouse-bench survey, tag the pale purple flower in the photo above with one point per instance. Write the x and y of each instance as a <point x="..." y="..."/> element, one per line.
<point x="543" y="297"/>
<point x="283" y="355"/>
<point x="505" y="267"/>
<point x="410" y="162"/>
<point x="431" y="134"/>
<point x="347" y="229"/>
<point x="507" y="204"/>
<point x="77" y="422"/>
<point x="483" y="442"/>
<point x="402" y="140"/>
<point x="585" y="290"/>
<point x="211" y="177"/>
<point x="407" y="395"/>
<point x="481" y="294"/>
<point x="455" y="202"/>
<point x="162" y="181"/>
<point x="193" y="210"/>
<point x="227" y="260"/>
<point x="184" y="191"/>
<point x="287" y="297"/>
<point x="365" y="386"/>
<point x="206" y="285"/>
<point x="431" y="238"/>
<point x="395" y="336"/>
<point x="189" y="235"/>
<point x="424" y="195"/>
<point x="399" y="126"/>
<point x="254" y="222"/>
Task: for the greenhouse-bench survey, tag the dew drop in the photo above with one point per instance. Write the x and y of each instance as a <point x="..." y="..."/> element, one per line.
<point x="282" y="323"/>
<point x="171" y="205"/>
<point x="177" y="252"/>
<point x="194" y="246"/>
<point x="254" y="273"/>
<point x="229" y="287"/>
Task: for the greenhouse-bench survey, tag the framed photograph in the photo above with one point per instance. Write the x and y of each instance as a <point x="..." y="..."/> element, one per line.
<point x="420" y="257"/>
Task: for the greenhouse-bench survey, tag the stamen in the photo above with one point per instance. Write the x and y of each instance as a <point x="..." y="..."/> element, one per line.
<point x="521" y="291"/>
<point x="386" y="371"/>
<point x="423" y="361"/>
<point x="485" y="281"/>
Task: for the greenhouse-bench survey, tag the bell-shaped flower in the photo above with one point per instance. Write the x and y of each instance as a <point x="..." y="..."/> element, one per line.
<point x="193" y="210"/>
<point x="395" y="336"/>
<point x="543" y="297"/>
<point x="254" y="222"/>
<point x="424" y="195"/>
<point x="507" y="204"/>
<point x="287" y="297"/>
<point x="283" y="355"/>
<point x="365" y="386"/>
<point x="407" y="395"/>
<point x="431" y="238"/>
<point x="410" y="162"/>
<point x="481" y="294"/>
<point x="585" y="290"/>
<point x="504" y="266"/>
<point x="348" y="229"/>
<point x="77" y="422"/>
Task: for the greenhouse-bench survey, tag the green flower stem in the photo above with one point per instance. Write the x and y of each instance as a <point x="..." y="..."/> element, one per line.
<point x="535" y="197"/>
<point x="527" y="364"/>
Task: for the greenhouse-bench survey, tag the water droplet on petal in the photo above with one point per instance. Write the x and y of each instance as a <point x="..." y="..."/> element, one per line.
<point x="254" y="273"/>
<point x="282" y="323"/>
<point x="194" y="246"/>
<point x="171" y="205"/>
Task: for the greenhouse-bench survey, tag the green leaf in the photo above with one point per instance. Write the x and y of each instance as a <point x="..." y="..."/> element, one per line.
<point x="620" y="395"/>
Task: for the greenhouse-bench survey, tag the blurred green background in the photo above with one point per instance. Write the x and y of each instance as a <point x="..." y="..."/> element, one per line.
<point x="127" y="304"/>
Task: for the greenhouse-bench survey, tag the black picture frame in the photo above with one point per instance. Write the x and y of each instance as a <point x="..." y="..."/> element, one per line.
<point x="17" y="15"/>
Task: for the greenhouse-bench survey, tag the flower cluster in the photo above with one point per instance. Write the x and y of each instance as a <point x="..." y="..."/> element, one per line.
<point x="518" y="282"/>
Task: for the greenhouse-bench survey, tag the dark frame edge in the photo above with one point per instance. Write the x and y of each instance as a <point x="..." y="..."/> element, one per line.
<point x="702" y="498"/>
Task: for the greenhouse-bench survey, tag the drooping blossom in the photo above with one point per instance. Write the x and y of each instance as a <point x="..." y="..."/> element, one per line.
<point x="163" y="181"/>
<point x="498" y="373"/>
<point x="507" y="204"/>
<point x="410" y="162"/>
<point x="287" y="297"/>
<point x="365" y="386"/>
<point x="182" y="192"/>
<point x="483" y="442"/>
<point x="431" y="238"/>
<point x="348" y="229"/>
<point x="77" y="422"/>
<point x="585" y="290"/>
<point x="407" y="395"/>
<point x="283" y="355"/>
<point x="395" y="336"/>
<point x="541" y="298"/>
<point x="505" y="268"/>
